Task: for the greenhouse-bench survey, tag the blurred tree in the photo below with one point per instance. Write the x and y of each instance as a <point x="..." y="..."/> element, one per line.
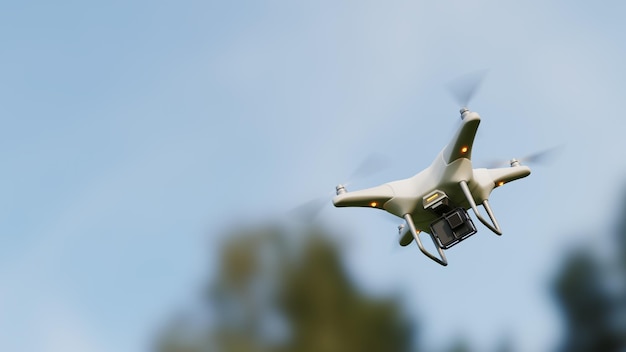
<point x="586" y="305"/>
<point x="460" y="344"/>
<point x="591" y="292"/>
<point x="327" y="312"/>
<point x="280" y="293"/>
<point x="620" y="250"/>
<point x="505" y="344"/>
<point x="619" y="278"/>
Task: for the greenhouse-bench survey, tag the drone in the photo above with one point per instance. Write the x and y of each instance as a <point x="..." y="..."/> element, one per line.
<point x="436" y="200"/>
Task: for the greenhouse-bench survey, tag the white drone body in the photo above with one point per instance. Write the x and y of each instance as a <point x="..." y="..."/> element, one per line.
<point x="436" y="200"/>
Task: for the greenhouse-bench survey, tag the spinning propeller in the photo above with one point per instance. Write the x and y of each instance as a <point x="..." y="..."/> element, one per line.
<point x="371" y="165"/>
<point x="542" y="157"/>
<point x="465" y="87"/>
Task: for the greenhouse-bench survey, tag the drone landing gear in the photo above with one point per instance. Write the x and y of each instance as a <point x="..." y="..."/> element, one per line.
<point x="442" y="257"/>
<point x="493" y="226"/>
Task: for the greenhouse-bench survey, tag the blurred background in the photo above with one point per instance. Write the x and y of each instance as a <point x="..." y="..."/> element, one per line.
<point x="154" y="151"/>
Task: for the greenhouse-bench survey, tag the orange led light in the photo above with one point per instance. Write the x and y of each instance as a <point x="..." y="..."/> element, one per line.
<point x="500" y="183"/>
<point x="464" y="150"/>
<point x="373" y="204"/>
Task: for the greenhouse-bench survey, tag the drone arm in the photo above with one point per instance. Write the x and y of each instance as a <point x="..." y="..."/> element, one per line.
<point x="493" y="226"/>
<point x="461" y="144"/>
<point x="374" y="197"/>
<point x="442" y="260"/>
<point x="507" y="174"/>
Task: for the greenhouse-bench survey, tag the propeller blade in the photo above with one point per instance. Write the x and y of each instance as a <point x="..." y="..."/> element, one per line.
<point x="373" y="164"/>
<point x="465" y="87"/>
<point x="539" y="158"/>
<point x="542" y="158"/>
<point x="494" y="164"/>
<point x="309" y="210"/>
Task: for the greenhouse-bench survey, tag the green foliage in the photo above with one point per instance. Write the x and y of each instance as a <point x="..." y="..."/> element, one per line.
<point x="459" y="345"/>
<point x="586" y="304"/>
<point x="591" y="292"/>
<point x="280" y="293"/>
<point x="328" y="313"/>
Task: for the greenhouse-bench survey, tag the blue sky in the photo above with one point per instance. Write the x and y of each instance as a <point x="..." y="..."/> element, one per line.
<point x="134" y="134"/>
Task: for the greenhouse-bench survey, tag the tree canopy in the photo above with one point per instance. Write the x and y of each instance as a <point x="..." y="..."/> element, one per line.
<point x="590" y="290"/>
<point x="274" y="295"/>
